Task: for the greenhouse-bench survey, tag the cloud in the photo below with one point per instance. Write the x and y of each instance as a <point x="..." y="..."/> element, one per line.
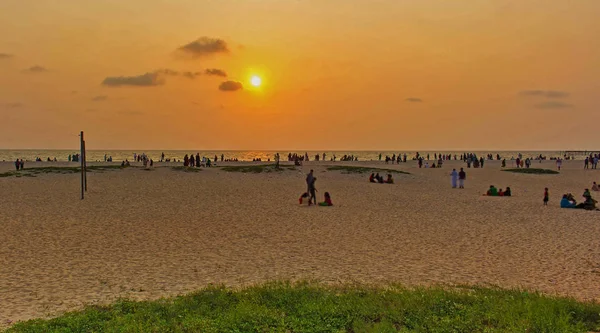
<point x="5" y="56"/>
<point x="553" y="105"/>
<point x="167" y="72"/>
<point x="205" y="46"/>
<point x="191" y="75"/>
<point x="36" y="69"/>
<point x="215" y="72"/>
<point x="413" y="100"/>
<point x="13" y="105"/>
<point x="100" y="98"/>
<point x="144" y="80"/>
<point x="545" y="93"/>
<point x="231" y="86"/>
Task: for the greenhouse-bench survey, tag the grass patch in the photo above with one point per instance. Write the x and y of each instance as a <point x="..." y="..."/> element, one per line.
<point x="30" y="172"/>
<point x="533" y="171"/>
<point x="257" y="168"/>
<point x="361" y="170"/>
<point x="307" y="307"/>
<point x="186" y="169"/>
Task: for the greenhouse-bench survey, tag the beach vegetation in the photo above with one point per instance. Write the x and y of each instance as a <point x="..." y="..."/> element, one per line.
<point x="533" y="171"/>
<point x="31" y="172"/>
<point x="313" y="307"/>
<point x="257" y="168"/>
<point x="356" y="169"/>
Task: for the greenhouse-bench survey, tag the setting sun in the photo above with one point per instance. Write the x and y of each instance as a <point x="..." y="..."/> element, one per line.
<point x="255" y="81"/>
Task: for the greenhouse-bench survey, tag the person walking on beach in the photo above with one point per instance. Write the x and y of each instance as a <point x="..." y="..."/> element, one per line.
<point x="17" y="164"/>
<point x="586" y="163"/>
<point x="309" y="180"/>
<point x="462" y="175"/>
<point x="454" y="175"/>
<point x="546" y="197"/>
<point x="312" y="190"/>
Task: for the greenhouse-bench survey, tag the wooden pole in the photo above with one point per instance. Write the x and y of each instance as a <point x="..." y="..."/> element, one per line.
<point x="82" y="165"/>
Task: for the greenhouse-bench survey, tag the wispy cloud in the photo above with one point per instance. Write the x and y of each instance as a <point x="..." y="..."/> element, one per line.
<point x="553" y="105"/>
<point x="205" y="46"/>
<point x="191" y="75"/>
<point x="13" y="105"/>
<point x="215" y="72"/>
<point x="36" y="69"/>
<point x="231" y="86"/>
<point x="167" y="72"/>
<point x="545" y="93"/>
<point x="144" y="80"/>
<point x="100" y="98"/>
<point x="5" y="56"/>
<point x="413" y="100"/>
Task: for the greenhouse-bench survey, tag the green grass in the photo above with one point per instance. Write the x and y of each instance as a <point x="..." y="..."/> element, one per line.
<point x="31" y="172"/>
<point x="257" y="168"/>
<point x="533" y="171"/>
<point x="186" y="169"/>
<point x="309" y="307"/>
<point x="361" y="170"/>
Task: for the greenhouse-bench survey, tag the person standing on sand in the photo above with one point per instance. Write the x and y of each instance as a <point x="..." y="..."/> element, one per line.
<point x="312" y="190"/>
<point x="462" y="175"/>
<point x="309" y="180"/>
<point x="546" y="197"/>
<point x="17" y="164"/>
<point x="454" y="175"/>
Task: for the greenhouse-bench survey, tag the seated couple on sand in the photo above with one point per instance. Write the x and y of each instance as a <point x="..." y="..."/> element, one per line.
<point x="376" y="178"/>
<point x="568" y="201"/>
<point x="494" y="192"/>
<point x="326" y="203"/>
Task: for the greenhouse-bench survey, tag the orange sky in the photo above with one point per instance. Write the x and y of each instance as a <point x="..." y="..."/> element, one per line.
<point x="338" y="74"/>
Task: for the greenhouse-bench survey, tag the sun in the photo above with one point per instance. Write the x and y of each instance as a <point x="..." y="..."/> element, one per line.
<point x="255" y="81"/>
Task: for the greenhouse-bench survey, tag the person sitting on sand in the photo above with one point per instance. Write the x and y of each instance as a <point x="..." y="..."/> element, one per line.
<point x="327" y="201"/>
<point x="380" y="179"/>
<point x="595" y="187"/>
<point x="566" y="203"/>
<point x="507" y="192"/>
<point x="500" y="193"/>
<point x="389" y="180"/>
<point x="372" y="178"/>
<point x="492" y="192"/>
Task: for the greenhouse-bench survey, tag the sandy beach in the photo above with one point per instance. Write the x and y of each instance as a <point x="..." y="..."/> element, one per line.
<point x="146" y="234"/>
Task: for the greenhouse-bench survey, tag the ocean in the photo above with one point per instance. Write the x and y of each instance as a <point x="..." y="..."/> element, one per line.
<point x="264" y="155"/>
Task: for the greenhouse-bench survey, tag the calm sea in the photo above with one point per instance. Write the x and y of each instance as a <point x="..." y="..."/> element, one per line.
<point x="249" y="155"/>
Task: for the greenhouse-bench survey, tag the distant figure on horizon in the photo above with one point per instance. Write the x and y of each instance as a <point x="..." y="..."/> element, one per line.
<point x="17" y="164"/>
<point x="462" y="175"/>
<point x="454" y="177"/>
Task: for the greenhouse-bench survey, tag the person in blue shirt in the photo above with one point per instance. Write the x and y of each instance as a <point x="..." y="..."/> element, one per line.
<point x="566" y="203"/>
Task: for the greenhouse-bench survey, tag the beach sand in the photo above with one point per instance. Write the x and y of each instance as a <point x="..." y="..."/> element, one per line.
<point x="146" y="234"/>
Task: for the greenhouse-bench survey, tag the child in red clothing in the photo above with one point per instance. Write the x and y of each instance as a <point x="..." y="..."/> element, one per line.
<point x="546" y="197"/>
